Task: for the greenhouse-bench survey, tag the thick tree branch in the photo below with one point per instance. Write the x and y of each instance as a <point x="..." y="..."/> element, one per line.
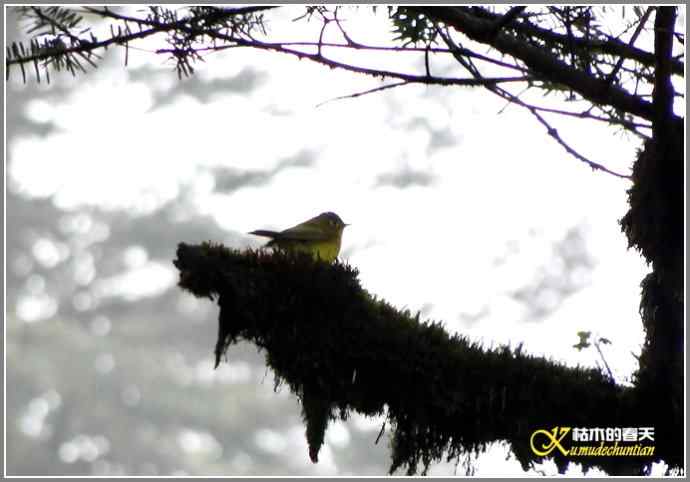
<point x="663" y="87"/>
<point x="341" y="350"/>
<point x="611" y="46"/>
<point x="507" y="18"/>
<point x="654" y="224"/>
<point x="542" y="63"/>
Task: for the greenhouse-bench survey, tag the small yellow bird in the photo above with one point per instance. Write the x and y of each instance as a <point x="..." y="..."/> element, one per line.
<point x="320" y="236"/>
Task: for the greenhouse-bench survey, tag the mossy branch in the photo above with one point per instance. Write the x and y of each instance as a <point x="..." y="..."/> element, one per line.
<point x="340" y="349"/>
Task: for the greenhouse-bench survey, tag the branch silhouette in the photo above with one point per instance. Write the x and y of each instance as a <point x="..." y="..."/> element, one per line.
<point x="342" y="350"/>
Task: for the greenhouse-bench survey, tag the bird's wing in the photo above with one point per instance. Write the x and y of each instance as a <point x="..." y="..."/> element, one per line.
<point x="303" y="233"/>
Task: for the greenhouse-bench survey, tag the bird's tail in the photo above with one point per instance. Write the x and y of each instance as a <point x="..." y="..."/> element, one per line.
<point x="265" y="232"/>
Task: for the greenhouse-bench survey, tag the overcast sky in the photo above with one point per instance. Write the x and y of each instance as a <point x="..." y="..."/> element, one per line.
<point x="459" y="207"/>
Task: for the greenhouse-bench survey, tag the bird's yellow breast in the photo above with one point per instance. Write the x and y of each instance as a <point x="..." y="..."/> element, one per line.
<point x="325" y="250"/>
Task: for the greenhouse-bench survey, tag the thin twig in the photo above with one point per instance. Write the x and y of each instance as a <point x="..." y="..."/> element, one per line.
<point x="75" y="40"/>
<point x="554" y="134"/>
<point x="469" y="65"/>
<point x="321" y="59"/>
<point x="383" y="428"/>
<point x="90" y="47"/>
<point x="630" y="125"/>
<point x="426" y="62"/>
<point x="57" y="25"/>
<point x="342" y="30"/>
<point x="326" y="21"/>
<point x="631" y="44"/>
<point x="365" y="92"/>
<point x="608" y="368"/>
<point x="276" y="46"/>
<point x="550" y="130"/>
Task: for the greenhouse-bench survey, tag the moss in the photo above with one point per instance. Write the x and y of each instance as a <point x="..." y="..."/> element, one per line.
<point x="341" y="349"/>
